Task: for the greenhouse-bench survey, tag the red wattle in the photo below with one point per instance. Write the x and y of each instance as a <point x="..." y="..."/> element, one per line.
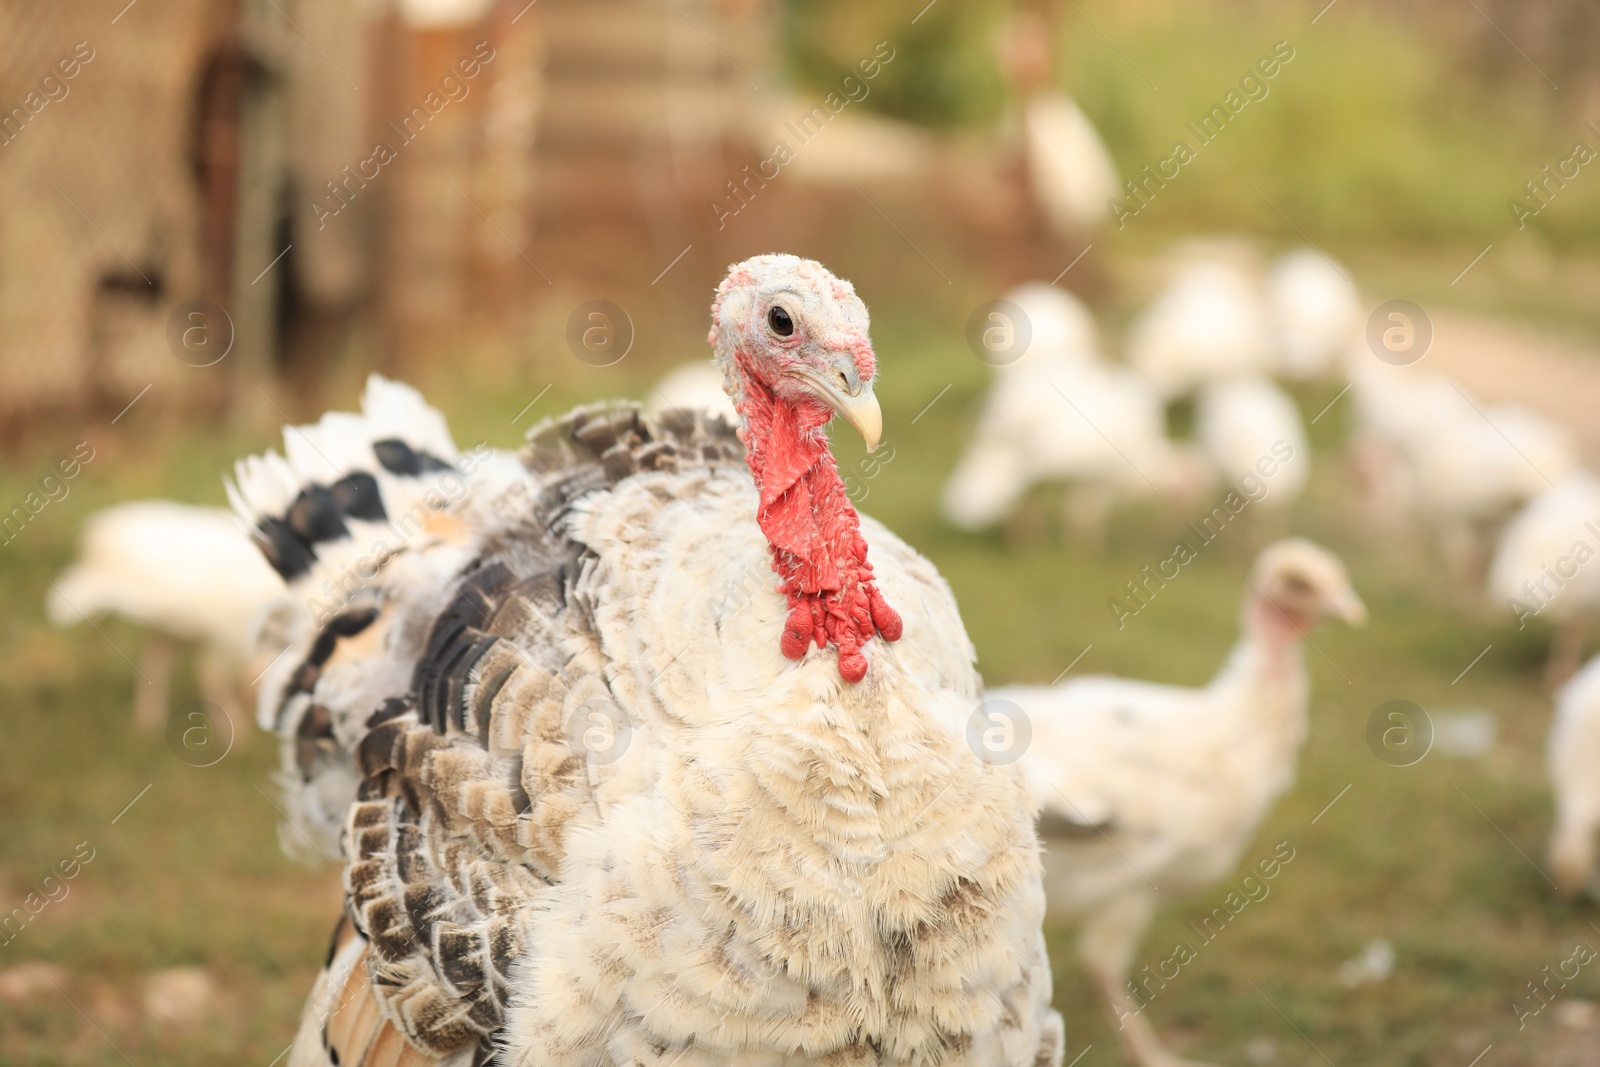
<point x="818" y="552"/>
<point x="886" y="619"/>
<point x="797" y="633"/>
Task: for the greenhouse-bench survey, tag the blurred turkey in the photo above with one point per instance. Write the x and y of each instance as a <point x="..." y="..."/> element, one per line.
<point x="1545" y="567"/>
<point x="694" y="386"/>
<point x="650" y="768"/>
<point x="184" y="573"/>
<point x="1211" y="322"/>
<point x="1060" y="326"/>
<point x="1069" y="169"/>
<point x="1574" y="764"/>
<point x="1059" y="413"/>
<point x="1316" y="312"/>
<point x="1431" y="450"/>
<point x="1070" y="174"/>
<point x="1150" y="791"/>
<point x="1392" y="408"/>
<point x="435" y="14"/>
<point x="1252" y="433"/>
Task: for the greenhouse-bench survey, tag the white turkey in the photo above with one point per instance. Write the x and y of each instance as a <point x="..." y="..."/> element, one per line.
<point x="1475" y="472"/>
<point x="1431" y="450"/>
<point x="434" y="14"/>
<point x="1071" y="176"/>
<point x="184" y="573"/>
<point x="1070" y="172"/>
<point x="1152" y="791"/>
<point x="1547" y="566"/>
<point x="1251" y="431"/>
<point x="1061" y="414"/>
<point x="1060" y="326"/>
<point x="1393" y="407"/>
<point x="1574" y="764"/>
<point x="1316" y="312"/>
<point x="1210" y="322"/>
<point x="652" y="771"/>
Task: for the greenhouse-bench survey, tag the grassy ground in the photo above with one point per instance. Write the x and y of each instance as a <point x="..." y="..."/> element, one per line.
<point x="1433" y="857"/>
<point x="1416" y="121"/>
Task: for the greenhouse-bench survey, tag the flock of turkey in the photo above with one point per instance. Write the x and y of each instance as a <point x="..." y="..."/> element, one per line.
<point x="640" y="745"/>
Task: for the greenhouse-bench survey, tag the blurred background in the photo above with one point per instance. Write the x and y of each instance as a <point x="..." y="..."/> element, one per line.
<point x="220" y="215"/>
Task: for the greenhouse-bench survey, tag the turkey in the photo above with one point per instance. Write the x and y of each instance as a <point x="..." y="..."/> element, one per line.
<point x="1211" y="322"/>
<point x="1251" y="431"/>
<point x="1063" y="414"/>
<point x="184" y="573"/>
<point x="1474" y="473"/>
<point x="1574" y="762"/>
<point x="1070" y="171"/>
<point x="1428" y="449"/>
<point x="1393" y="409"/>
<point x="1545" y="567"/>
<point x="432" y="14"/>
<point x="661" y="747"/>
<point x="1316" y="312"/>
<point x="1152" y="791"/>
<point x="1070" y="175"/>
<point x="1060" y="327"/>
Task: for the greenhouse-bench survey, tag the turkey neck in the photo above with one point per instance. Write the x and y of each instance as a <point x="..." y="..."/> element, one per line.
<point x="1264" y="679"/>
<point x="814" y="533"/>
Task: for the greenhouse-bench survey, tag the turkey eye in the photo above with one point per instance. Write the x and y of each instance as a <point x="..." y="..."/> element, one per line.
<point x="779" y="320"/>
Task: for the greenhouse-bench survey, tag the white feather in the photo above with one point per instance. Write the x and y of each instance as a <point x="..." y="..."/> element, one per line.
<point x="1558" y="531"/>
<point x="1060" y="326"/>
<point x="1067" y="418"/>
<point x="1210" y="323"/>
<point x="1433" y="450"/>
<point x="1574" y="766"/>
<point x="1071" y="171"/>
<point x="1245" y="424"/>
<point x="1316" y="310"/>
<point x="190" y="572"/>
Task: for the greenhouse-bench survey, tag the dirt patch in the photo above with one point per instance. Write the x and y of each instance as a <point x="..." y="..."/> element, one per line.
<point x="1505" y="361"/>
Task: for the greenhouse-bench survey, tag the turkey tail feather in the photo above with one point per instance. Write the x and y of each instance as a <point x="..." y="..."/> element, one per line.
<point x="348" y="483"/>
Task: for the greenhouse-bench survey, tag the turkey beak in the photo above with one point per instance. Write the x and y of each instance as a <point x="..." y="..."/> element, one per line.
<point x="862" y="412"/>
<point x="841" y="388"/>
<point x="1348" y="607"/>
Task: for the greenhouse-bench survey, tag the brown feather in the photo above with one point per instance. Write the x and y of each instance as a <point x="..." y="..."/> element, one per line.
<point x="469" y="777"/>
<point x="357" y="1033"/>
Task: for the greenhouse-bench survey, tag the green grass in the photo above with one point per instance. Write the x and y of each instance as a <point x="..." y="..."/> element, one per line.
<point x="1386" y="124"/>
<point x="192" y="875"/>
